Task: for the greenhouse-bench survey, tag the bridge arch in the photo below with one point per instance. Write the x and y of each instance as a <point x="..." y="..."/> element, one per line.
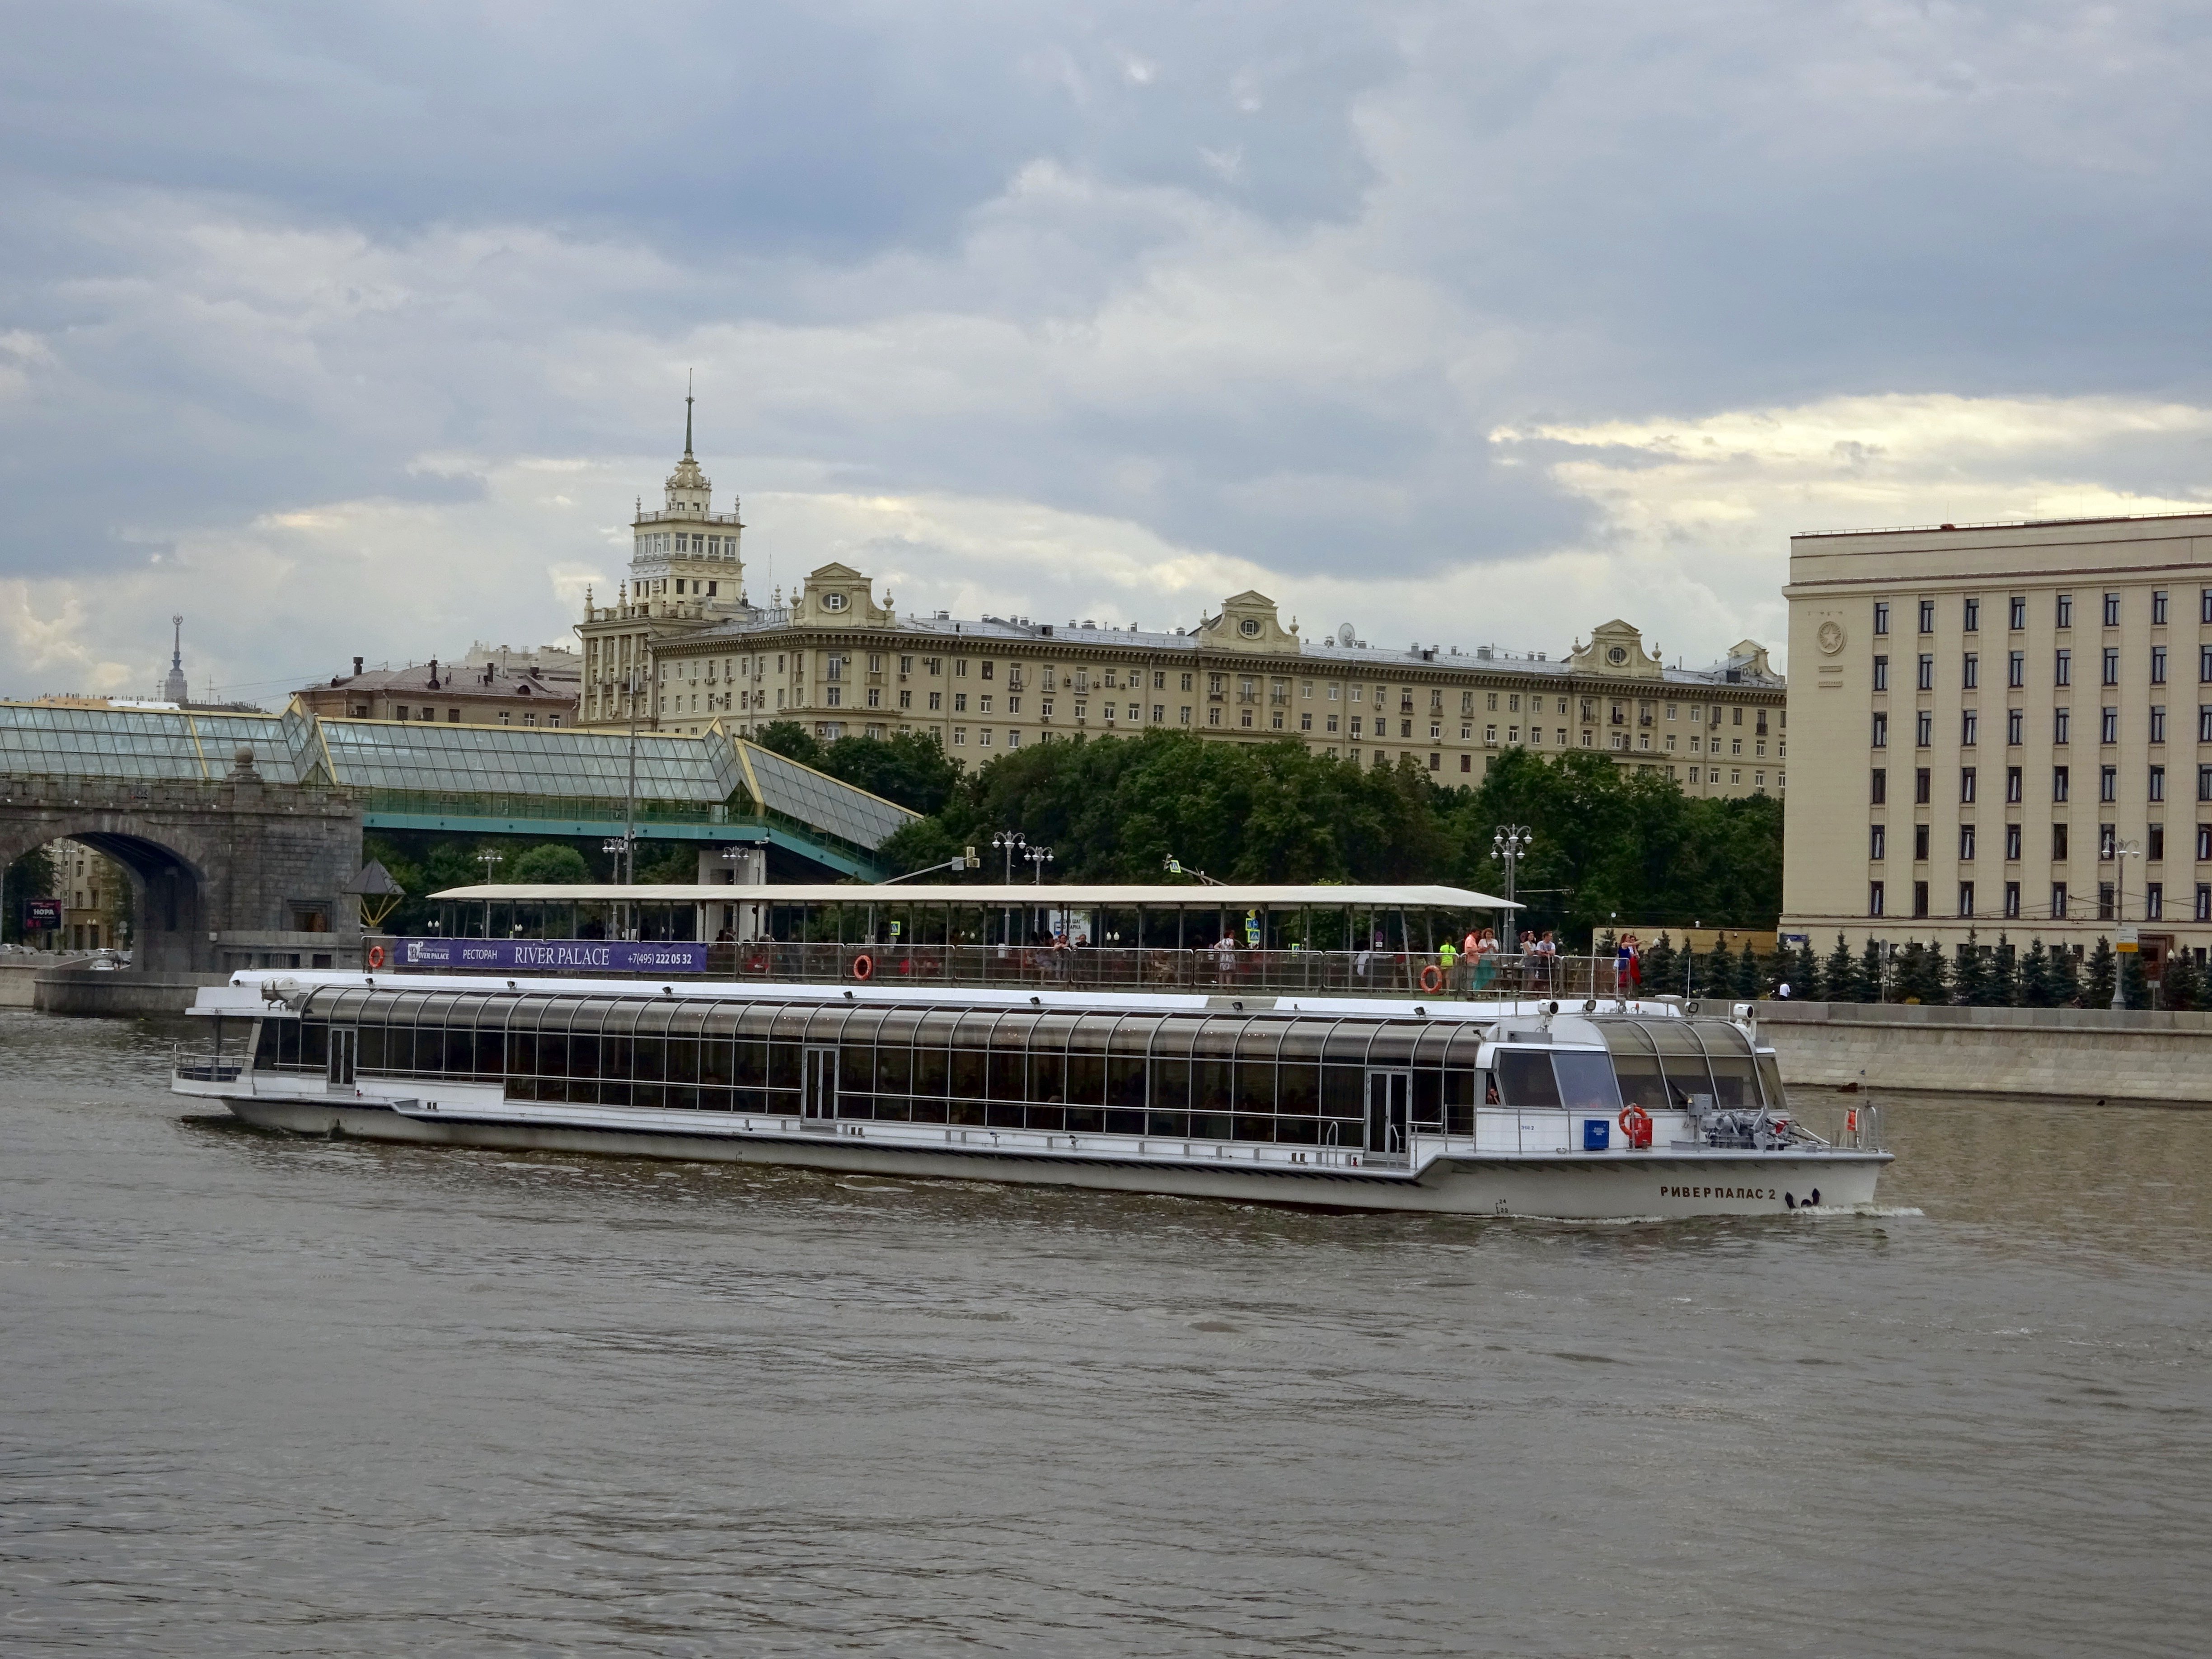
<point x="168" y="880"/>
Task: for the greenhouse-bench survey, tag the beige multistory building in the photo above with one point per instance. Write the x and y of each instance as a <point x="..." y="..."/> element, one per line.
<point x="684" y="647"/>
<point x="2003" y="728"/>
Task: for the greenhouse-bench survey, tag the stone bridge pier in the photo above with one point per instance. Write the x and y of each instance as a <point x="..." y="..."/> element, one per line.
<point x="228" y="874"/>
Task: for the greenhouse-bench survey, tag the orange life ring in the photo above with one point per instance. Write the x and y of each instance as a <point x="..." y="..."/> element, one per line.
<point x="376" y="956"/>
<point x="1433" y="978"/>
<point x="1635" y="1124"/>
<point x="864" y="967"/>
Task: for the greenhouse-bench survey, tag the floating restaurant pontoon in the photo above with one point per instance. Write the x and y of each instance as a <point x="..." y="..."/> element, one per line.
<point x="1589" y="1111"/>
<point x="1353" y="940"/>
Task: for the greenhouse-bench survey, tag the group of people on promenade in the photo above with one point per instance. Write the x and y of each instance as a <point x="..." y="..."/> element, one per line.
<point x="1473" y="965"/>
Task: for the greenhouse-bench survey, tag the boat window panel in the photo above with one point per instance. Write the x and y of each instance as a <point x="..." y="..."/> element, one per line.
<point x="717" y="1060"/>
<point x="784" y="1066"/>
<point x="1125" y="1082"/>
<point x="683" y="1059"/>
<point x="1344" y="1095"/>
<point x="1636" y="1067"/>
<point x="1682" y="1059"/>
<point x="1462" y="1087"/>
<point x="1769" y="1077"/>
<point x="1171" y="1081"/>
<point x="1297" y="1083"/>
<point x="1735" y="1080"/>
<point x="1428" y="1098"/>
<point x="1526" y="1078"/>
<point x="372" y="1048"/>
<point x="314" y="1044"/>
<point x="1585" y="1080"/>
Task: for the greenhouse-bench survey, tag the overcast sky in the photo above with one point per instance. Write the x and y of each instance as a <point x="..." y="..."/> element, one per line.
<point x="358" y="328"/>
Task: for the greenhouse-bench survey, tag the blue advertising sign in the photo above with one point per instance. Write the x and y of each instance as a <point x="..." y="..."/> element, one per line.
<point x="553" y="956"/>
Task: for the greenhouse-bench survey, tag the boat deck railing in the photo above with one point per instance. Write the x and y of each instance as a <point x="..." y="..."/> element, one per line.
<point x="1380" y="973"/>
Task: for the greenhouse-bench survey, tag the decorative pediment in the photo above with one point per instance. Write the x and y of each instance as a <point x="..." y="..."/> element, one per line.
<point x="1616" y="649"/>
<point x="838" y="596"/>
<point x="1248" y="622"/>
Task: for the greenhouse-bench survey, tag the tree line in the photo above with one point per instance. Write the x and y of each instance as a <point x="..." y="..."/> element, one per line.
<point x="1611" y="846"/>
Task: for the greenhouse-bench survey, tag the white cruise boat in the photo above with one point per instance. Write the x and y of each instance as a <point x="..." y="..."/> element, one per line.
<point x="1592" y="1111"/>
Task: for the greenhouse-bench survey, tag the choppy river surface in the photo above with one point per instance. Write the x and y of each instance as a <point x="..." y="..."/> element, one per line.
<point x="274" y="1397"/>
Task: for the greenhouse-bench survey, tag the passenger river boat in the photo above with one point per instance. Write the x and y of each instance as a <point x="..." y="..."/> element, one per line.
<point x="1588" y="1109"/>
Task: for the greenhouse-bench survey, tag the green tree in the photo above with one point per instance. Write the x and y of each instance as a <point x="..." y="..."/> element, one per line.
<point x="1874" y="976"/>
<point x="1808" y="983"/>
<point x="1717" y="973"/>
<point x="1750" y="980"/>
<point x="2135" y="987"/>
<point x="910" y="769"/>
<point x="2066" y="976"/>
<point x="1663" y="967"/>
<point x="2039" y="979"/>
<point x="2001" y="988"/>
<point x="1970" y="975"/>
<point x="2183" y="984"/>
<point x="2096" y="987"/>
<point x="791" y="740"/>
<point x="30" y="876"/>
<point x="1842" y="980"/>
<point x="548" y="864"/>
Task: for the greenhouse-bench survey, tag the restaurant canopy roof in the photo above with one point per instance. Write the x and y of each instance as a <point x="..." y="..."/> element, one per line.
<point x="1072" y="895"/>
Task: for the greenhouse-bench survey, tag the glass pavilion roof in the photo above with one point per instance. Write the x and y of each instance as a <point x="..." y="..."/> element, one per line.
<point x="187" y="746"/>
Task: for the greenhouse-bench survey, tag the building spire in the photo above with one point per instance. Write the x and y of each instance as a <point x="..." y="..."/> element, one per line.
<point x="687" y="413"/>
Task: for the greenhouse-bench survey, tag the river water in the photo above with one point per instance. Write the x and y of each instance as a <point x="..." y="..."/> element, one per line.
<point x="271" y="1396"/>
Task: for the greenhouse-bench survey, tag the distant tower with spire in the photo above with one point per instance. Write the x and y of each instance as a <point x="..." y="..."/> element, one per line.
<point x="173" y="689"/>
<point x="685" y="574"/>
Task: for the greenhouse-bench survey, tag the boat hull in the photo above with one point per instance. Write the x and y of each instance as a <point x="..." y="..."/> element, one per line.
<point x="1655" y="1185"/>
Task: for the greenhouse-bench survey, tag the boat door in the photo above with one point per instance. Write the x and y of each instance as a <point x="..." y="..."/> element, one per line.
<point x="1389" y="1110"/>
<point x="344" y="1040"/>
<point x="820" y="1098"/>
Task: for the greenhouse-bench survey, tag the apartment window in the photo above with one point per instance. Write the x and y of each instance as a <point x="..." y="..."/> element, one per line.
<point x="1877" y="842"/>
<point x="1927" y="676"/>
<point x="1920" y="843"/>
<point x="1881" y="623"/>
<point x="1966" y="898"/>
<point x="1966" y="785"/>
<point x="2063" y="668"/>
<point x="1874" y="898"/>
<point x="2065" y="611"/>
<point x="1880" y="730"/>
<point x="1970" y="671"/>
<point x="2111" y="665"/>
<point x="1924" y="728"/>
<point x="2158" y="722"/>
<point x="1882" y="673"/>
<point x="2015" y="720"/>
<point x="2059" y="908"/>
<point x="2016" y="608"/>
<point x="2057" y="843"/>
<point x="1919" y="898"/>
<point x="1970" y="724"/>
<point x="2104" y="901"/>
<point x="2203" y="842"/>
<point x="2111" y="610"/>
<point x="2012" y="901"/>
<point x="1878" y="785"/>
<point x="2012" y="843"/>
<point x="1965" y="843"/>
<point x="1973" y="617"/>
<point x="2060" y="781"/>
<point x="2062" y="725"/>
<point x="959" y="702"/>
<point x="2204" y="903"/>
<point x="2016" y="669"/>
<point x="2158" y="665"/>
<point x="1921" y="786"/>
<point x="936" y="702"/>
<point x="2158" y="608"/>
<point x="2108" y="725"/>
<point x="1928" y="615"/>
<point x="2108" y="783"/>
<point x="2155" y="846"/>
<point x="2154" y="901"/>
<point x="2155" y="785"/>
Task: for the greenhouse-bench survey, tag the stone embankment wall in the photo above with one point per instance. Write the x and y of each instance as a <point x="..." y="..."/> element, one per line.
<point x="2163" y="1057"/>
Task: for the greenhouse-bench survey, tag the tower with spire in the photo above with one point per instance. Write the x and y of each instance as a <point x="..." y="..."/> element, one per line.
<point x="684" y="556"/>
<point x="173" y="689"/>
<point x="685" y="574"/>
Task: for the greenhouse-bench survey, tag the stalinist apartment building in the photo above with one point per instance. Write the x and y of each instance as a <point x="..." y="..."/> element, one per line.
<point x="683" y="648"/>
<point x="2006" y="728"/>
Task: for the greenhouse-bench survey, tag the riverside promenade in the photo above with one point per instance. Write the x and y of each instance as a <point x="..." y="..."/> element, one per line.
<point x="2093" y="1052"/>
